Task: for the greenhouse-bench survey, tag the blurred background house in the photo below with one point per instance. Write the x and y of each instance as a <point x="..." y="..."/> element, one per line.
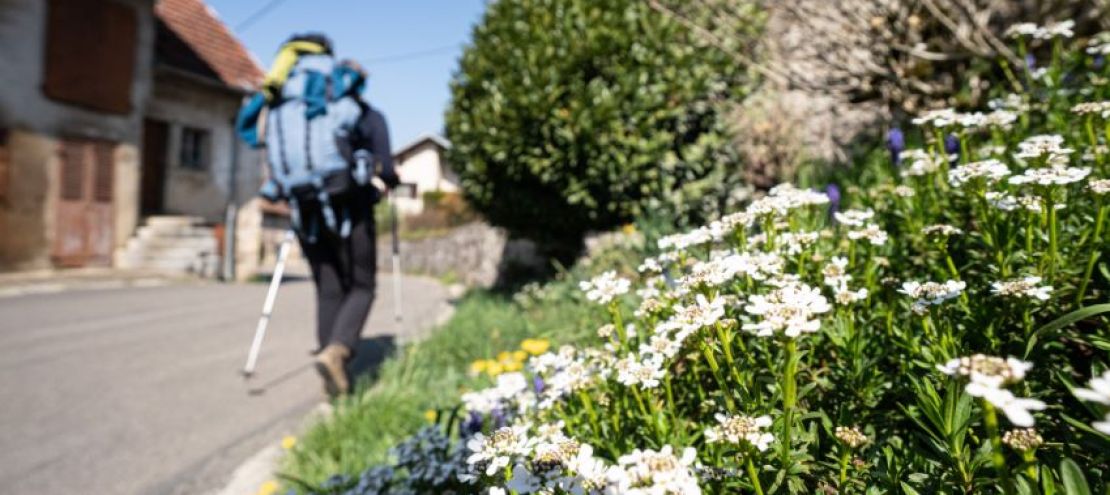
<point x="116" y="139"/>
<point x="423" y="167"/>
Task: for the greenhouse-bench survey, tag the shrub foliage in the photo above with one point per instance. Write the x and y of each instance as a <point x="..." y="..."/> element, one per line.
<point x="575" y="115"/>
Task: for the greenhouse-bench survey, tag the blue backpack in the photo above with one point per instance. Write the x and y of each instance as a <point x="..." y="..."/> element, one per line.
<point x="310" y="125"/>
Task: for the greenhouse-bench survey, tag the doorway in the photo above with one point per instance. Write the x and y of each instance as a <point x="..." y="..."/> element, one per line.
<point x="153" y="184"/>
<point x="83" y="233"/>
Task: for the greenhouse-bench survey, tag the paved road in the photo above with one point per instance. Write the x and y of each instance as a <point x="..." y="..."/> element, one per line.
<point x="136" y="391"/>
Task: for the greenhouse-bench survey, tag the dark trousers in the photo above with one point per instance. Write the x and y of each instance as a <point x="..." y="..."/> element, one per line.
<point x="343" y="269"/>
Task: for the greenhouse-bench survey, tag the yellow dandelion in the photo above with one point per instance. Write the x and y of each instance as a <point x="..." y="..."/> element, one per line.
<point x="519" y="356"/>
<point x="478" y="366"/>
<point x="430" y="415"/>
<point x="495" y="368"/>
<point x="504" y="357"/>
<point x="288" y="442"/>
<point x="513" y="366"/>
<point x="269" y="488"/>
<point x="535" y="347"/>
<point x="629" y="228"/>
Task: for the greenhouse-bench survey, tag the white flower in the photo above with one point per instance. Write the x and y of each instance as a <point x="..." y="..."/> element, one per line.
<point x="1015" y="408"/>
<point x="942" y="230"/>
<point x="931" y="293"/>
<point x="836" y="272"/>
<point x="649" y="472"/>
<point x="791" y="309"/>
<point x="1062" y="29"/>
<point x="851" y="436"/>
<point x="854" y="218"/>
<point x="498" y="450"/>
<point x="741" y="430"/>
<point x="943" y="117"/>
<point x="509" y="388"/>
<point x="1022" y="287"/>
<point x="845" y="296"/>
<point x="1098" y="391"/>
<point x="605" y="287"/>
<point x="871" y="232"/>
<point x="904" y="191"/>
<point x="495" y="490"/>
<point x="991" y="170"/>
<point x="1022" y="29"/>
<point x="646" y="373"/>
<point x="1099" y="186"/>
<point x="986" y="370"/>
<point x="1099" y="44"/>
<point x="1005" y="202"/>
<point x="919" y="163"/>
<point x="1101" y="108"/>
<point x="685" y="240"/>
<point x="1103" y="426"/>
<point x="650" y="265"/>
<point x="1041" y="146"/>
<point x="1051" y="176"/>
<point x="691" y="318"/>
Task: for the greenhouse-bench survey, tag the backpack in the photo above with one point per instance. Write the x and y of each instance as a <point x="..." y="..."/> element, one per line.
<point x="313" y="111"/>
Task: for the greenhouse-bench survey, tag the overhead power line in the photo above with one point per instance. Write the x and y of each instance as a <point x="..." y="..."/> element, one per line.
<point x="258" y="14"/>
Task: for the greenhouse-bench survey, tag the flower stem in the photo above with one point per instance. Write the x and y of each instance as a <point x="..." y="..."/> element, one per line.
<point x="990" y="421"/>
<point x="845" y="454"/>
<point x="1100" y="219"/>
<point x="754" y="476"/>
<point x="1052" y="234"/>
<point x="716" y="369"/>
<point x="789" y="397"/>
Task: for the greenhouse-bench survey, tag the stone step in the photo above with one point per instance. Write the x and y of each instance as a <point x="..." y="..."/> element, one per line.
<point x="148" y="231"/>
<point x="162" y="221"/>
<point x="199" y="243"/>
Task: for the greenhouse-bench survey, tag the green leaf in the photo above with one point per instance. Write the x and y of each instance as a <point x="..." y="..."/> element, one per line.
<point x="1063" y="321"/>
<point x="1074" y="481"/>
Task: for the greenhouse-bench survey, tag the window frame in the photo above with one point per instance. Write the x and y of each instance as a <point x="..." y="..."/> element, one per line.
<point x="195" y="150"/>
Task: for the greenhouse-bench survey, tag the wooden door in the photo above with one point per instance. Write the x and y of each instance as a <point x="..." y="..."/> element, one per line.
<point x="84" y="228"/>
<point x="155" y="143"/>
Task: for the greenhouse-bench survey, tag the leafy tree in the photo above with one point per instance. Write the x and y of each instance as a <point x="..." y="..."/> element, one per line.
<point x="575" y="115"/>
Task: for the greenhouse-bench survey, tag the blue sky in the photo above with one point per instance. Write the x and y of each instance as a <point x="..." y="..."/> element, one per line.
<point x="411" y="90"/>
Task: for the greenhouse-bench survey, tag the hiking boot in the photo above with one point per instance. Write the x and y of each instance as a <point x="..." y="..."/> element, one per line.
<point x="331" y="364"/>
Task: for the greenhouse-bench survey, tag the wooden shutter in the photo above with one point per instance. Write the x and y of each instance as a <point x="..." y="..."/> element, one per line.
<point x="5" y="165"/>
<point x="73" y="171"/>
<point x="103" y="172"/>
<point x="90" y="54"/>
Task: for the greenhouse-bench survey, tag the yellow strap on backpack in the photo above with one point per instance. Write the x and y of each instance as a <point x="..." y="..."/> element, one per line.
<point x="283" y="64"/>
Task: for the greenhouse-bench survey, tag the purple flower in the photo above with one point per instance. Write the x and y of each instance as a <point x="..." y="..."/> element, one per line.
<point x="1099" y="62"/>
<point x="952" y="146"/>
<point x="1030" y="61"/>
<point x="472" y="424"/>
<point x="833" y="192"/>
<point x="896" y="143"/>
<point x="498" y="417"/>
<point x="537" y="384"/>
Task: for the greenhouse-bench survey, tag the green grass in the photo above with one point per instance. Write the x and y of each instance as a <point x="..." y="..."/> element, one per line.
<point x="428" y="375"/>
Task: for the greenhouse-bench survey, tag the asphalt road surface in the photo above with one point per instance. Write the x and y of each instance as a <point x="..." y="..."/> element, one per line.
<point x="137" y="390"/>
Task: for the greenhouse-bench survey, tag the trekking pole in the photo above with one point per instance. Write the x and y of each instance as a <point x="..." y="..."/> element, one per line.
<point x="396" y="257"/>
<point x="268" y="306"/>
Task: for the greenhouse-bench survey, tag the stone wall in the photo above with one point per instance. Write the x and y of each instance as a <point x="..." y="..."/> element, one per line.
<point x="475" y="254"/>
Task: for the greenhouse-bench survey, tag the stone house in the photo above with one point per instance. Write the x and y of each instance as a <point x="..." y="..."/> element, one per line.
<point x="117" y="145"/>
<point x="422" y="167"/>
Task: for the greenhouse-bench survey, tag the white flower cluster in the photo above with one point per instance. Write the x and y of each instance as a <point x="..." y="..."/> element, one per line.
<point x="931" y="293"/>
<point x="1099" y="186"/>
<point x="1027" y="287"/>
<point x="1098" y="391"/>
<point x="1100" y="108"/>
<point x="741" y="430"/>
<point x="650" y="472"/>
<point x="569" y="371"/>
<point x="1099" y="44"/>
<point x="990" y="171"/>
<point x="605" y="287"/>
<point x="947" y="117"/>
<point x="919" y="163"/>
<point x="507" y="395"/>
<point x="1063" y="29"/>
<point x="791" y="310"/>
<point x="987" y="376"/>
<point x="1058" y="176"/>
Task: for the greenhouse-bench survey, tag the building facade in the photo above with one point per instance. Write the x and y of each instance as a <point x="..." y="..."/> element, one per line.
<point x="99" y="138"/>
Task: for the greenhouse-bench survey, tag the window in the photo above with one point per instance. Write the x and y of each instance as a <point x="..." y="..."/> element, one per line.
<point x="5" y="165"/>
<point x="194" y="148"/>
<point x="90" y="54"/>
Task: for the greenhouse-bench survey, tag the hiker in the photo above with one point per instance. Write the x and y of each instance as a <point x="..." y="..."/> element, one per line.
<point x="324" y="146"/>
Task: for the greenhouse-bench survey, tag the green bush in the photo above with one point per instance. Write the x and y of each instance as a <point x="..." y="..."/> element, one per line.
<point x="575" y="115"/>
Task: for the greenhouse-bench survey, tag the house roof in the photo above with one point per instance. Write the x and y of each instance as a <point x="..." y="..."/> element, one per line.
<point x="200" y="28"/>
<point x="435" y="139"/>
